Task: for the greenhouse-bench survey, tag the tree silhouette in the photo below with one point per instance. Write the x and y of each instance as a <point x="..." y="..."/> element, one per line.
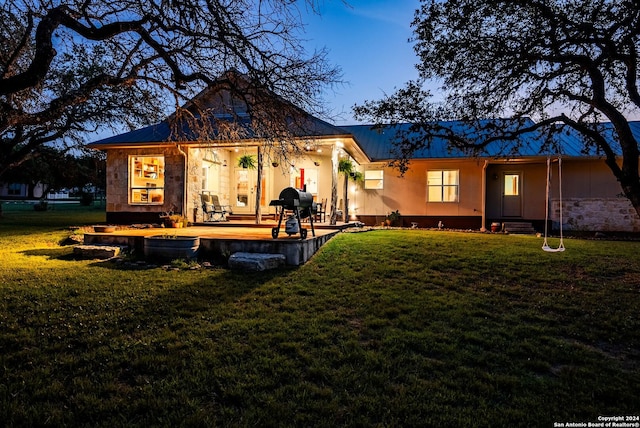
<point x="564" y="64"/>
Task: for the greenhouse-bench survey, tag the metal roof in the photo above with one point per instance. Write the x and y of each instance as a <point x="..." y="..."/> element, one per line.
<point x="158" y="133"/>
<point x="378" y="142"/>
<point x="163" y="133"/>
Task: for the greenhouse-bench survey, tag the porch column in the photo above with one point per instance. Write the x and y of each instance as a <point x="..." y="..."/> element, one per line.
<point x="484" y="196"/>
<point x="259" y="188"/>
<point x="334" y="184"/>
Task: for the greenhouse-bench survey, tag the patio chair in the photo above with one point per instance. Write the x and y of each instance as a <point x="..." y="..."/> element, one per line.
<point x="212" y="209"/>
<point x="321" y="211"/>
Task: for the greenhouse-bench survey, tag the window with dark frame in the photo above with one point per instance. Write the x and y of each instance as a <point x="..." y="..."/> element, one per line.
<point x="146" y="180"/>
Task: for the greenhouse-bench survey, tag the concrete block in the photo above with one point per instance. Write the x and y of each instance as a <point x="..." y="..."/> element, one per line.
<point x="256" y="262"/>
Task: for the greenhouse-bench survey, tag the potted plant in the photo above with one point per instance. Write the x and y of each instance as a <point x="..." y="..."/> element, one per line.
<point x="247" y="162"/>
<point x="170" y="247"/>
<point x="175" y="221"/>
<point x="393" y="219"/>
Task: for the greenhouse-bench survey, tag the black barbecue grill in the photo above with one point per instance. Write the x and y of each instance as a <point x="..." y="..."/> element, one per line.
<point x="302" y="205"/>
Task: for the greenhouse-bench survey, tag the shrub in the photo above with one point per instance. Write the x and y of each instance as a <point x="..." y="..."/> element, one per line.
<point x="86" y="199"/>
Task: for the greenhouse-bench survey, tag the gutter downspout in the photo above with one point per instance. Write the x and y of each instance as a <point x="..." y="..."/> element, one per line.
<point x="484" y="196"/>
<point x="185" y="184"/>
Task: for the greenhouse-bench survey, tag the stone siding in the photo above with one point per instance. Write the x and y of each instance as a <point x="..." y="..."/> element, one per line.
<point x="194" y="181"/>
<point x="596" y="214"/>
<point x="118" y="180"/>
<point x="194" y="185"/>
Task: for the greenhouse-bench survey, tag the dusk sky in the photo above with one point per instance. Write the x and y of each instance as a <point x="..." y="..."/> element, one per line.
<point x="368" y="40"/>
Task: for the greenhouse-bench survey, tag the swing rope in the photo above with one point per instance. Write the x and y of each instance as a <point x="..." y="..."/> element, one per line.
<point x="545" y="245"/>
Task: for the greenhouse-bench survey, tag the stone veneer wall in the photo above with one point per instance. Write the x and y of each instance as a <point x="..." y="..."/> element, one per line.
<point x="194" y="181"/>
<point x="118" y="180"/>
<point x="194" y="185"/>
<point x="596" y="214"/>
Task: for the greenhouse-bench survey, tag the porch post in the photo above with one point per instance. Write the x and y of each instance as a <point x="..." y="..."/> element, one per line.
<point x="185" y="182"/>
<point x="259" y="186"/>
<point x="484" y="196"/>
<point x="334" y="184"/>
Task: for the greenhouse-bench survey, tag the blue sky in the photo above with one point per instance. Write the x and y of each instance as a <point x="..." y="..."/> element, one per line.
<point x="368" y="40"/>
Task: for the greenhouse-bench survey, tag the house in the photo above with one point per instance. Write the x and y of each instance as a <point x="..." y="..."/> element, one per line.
<point x="150" y="172"/>
<point x="461" y="191"/>
<point x="13" y="190"/>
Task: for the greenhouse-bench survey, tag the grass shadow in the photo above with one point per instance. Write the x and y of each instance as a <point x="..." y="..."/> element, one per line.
<point x="60" y="253"/>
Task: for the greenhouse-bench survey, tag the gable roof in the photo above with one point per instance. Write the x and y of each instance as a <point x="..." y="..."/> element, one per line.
<point x="162" y="133"/>
<point x="222" y="112"/>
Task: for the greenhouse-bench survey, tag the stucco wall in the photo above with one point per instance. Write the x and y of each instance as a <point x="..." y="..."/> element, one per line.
<point x="590" y="193"/>
<point x="408" y="194"/>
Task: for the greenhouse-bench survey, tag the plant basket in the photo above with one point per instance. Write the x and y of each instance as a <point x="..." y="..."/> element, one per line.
<point x="247" y="162"/>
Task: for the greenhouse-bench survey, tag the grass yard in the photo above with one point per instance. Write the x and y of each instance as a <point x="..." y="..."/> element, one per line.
<point x="385" y="328"/>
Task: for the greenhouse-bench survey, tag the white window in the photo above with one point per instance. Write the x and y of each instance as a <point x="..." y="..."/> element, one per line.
<point x="512" y="184"/>
<point x="374" y="179"/>
<point x="442" y="185"/>
<point x="146" y="179"/>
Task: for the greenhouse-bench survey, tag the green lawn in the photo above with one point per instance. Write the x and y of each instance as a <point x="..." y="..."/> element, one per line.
<point x="384" y="328"/>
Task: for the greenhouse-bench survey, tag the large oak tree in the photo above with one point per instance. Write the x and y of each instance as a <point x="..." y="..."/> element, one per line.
<point x="562" y="63"/>
<point x="68" y="68"/>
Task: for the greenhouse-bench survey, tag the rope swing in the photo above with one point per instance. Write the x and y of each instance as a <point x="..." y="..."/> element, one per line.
<point x="545" y="245"/>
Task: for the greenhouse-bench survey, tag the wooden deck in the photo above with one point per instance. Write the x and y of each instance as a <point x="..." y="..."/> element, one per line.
<point x="219" y="240"/>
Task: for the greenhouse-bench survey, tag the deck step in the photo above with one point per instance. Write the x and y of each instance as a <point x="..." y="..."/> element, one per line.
<point x="98" y="251"/>
<point x="520" y="227"/>
<point x="256" y="262"/>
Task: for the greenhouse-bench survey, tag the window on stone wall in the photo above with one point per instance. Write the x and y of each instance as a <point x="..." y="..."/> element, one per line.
<point x="146" y="179"/>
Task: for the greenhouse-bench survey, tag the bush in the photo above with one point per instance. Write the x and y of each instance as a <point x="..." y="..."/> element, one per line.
<point x="41" y="206"/>
<point x="86" y="198"/>
<point x="393" y="219"/>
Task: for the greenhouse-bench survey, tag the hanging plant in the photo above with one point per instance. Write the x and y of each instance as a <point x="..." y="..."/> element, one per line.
<point x="247" y="162"/>
<point x="345" y="166"/>
<point x="357" y="177"/>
